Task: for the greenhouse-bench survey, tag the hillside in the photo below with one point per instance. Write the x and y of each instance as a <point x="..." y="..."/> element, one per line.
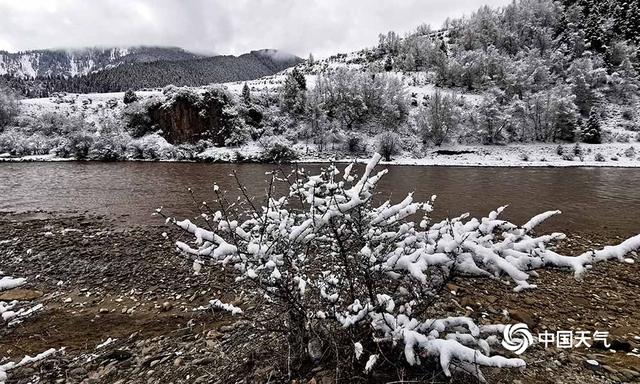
<point x="139" y="74"/>
<point x="79" y="62"/>
<point x="525" y="84"/>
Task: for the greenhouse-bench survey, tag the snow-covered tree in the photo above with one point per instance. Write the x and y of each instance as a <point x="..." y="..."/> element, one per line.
<point x="340" y="272"/>
<point x="592" y="132"/>
<point x="356" y="99"/>
<point x="492" y="119"/>
<point x="438" y="119"/>
<point x="8" y="106"/>
<point x="294" y="92"/>
<point x="246" y="94"/>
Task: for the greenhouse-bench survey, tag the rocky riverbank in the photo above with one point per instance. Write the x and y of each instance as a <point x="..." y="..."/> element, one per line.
<point x="128" y="309"/>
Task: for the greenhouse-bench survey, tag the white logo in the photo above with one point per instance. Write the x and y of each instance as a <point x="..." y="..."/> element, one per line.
<point x="517" y="338"/>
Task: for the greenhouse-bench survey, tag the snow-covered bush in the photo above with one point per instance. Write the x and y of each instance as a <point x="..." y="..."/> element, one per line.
<point x="130" y="97"/>
<point x="341" y="273"/>
<point x="109" y="147"/>
<point x="388" y="145"/>
<point x="277" y="150"/>
<point x="150" y="147"/>
<point x="76" y="145"/>
<point x="137" y="118"/>
<point x="630" y="152"/>
<point x="355" y="143"/>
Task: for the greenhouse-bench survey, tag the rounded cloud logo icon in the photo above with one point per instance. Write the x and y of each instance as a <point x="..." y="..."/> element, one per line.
<point x="517" y="338"/>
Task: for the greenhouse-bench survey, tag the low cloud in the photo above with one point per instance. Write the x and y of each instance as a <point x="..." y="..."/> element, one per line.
<point x="323" y="27"/>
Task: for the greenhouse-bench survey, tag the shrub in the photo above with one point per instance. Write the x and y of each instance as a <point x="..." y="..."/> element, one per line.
<point x="130" y="97"/>
<point x="150" y="147"/>
<point x="278" y="150"/>
<point x="524" y="157"/>
<point x="109" y="147"/>
<point x="599" y="157"/>
<point x="76" y="145"/>
<point x="355" y="144"/>
<point x="388" y="145"/>
<point x="560" y="150"/>
<point x="567" y="157"/>
<point x="136" y="115"/>
<point x="630" y="152"/>
<point x="577" y="149"/>
<point x="352" y="284"/>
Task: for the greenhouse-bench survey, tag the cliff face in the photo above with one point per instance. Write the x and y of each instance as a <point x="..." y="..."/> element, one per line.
<point x="187" y="118"/>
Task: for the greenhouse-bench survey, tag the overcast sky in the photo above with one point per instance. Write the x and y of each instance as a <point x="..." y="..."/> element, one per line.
<point x="323" y="27"/>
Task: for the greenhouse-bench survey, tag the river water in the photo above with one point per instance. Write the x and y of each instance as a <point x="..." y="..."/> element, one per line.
<point x="592" y="199"/>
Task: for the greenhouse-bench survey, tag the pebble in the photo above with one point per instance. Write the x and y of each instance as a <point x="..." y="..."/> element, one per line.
<point x="592" y="364"/>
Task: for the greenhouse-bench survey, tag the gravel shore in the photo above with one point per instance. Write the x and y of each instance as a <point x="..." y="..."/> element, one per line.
<point x="99" y="280"/>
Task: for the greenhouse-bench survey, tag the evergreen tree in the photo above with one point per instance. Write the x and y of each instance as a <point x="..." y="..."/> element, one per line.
<point x="8" y="106"/>
<point x="246" y="94"/>
<point x="592" y="132"/>
<point x="294" y="92"/>
<point x="584" y="95"/>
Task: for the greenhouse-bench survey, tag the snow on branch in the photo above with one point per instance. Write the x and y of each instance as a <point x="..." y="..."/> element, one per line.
<point x="7" y="282"/>
<point x="348" y="262"/>
<point x="226" y="307"/>
<point x="6" y="367"/>
<point x="12" y="313"/>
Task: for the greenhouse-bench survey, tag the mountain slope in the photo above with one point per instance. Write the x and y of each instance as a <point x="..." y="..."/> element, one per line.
<point x="154" y="74"/>
<point x="79" y="62"/>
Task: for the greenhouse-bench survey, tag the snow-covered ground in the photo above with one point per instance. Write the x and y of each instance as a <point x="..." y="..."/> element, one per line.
<point x="621" y="150"/>
<point x="622" y="155"/>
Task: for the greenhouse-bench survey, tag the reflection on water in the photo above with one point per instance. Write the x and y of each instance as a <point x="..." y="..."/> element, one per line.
<point x="592" y="199"/>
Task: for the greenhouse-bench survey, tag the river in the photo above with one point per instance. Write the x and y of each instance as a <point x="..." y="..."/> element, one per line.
<point x="592" y="199"/>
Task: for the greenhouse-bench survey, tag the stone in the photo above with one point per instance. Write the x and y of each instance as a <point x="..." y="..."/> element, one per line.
<point x="453" y="288"/>
<point x="629" y="374"/>
<point x="117" y="354"/>
<point x="78" y="372"/>
<point x="203" y="361"/>
<point x="592" y="365"/>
